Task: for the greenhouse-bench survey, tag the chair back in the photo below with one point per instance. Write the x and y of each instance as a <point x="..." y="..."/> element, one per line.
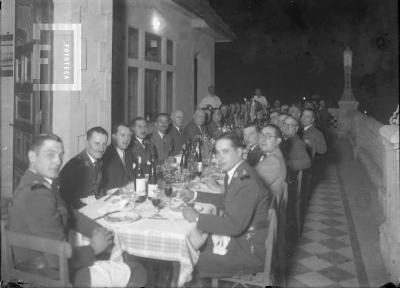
<point x="270" y="245"/>
<point x="17" y="240"/>
<point x="298" y="201"/>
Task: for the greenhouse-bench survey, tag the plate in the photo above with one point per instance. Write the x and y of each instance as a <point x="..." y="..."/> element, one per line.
<point x="176" y="204"/>
<point x="122" y="217"/>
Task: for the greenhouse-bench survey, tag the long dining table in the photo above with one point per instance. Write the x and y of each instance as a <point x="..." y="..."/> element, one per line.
<point x="165" y="237"/>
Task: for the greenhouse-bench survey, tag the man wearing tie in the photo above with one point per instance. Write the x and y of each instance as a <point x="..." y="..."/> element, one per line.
<point x="118" y="160"/>
<point x="250" y="135"/>
<point x="140" y="146"/>
<point x="176" y="131"/>
<point x="161" y="140"/>
<point x="237" y="243"/>
<point x="196" y="127"/>
<point x="81" y="177"/>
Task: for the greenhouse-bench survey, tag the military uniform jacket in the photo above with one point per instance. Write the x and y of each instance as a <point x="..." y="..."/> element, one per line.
<point x="80" y="178"/>
<point x="192" y="130"/>
<point x="316" y="138"/>
<point x="115" y="172"/>
<point x="37" y="209"/>
<point x="177" y="137"/>
<point x="244" y="204"/>
<point x="295" y="153"/>
<point x="254" y="156"/>
<point x="144" y="151"/>
<point x="164" y="146"/>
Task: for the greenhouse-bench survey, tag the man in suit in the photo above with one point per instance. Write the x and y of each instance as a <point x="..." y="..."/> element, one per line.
<point x="215" y="126"/>
<point x="196" y="127"/>
<point x="250" y="135"/>
<point x="81" y="177"/>
<point x="161" y="140"/>
<point x="140" y="145"/>
<point x="176" y="131"/>
<point x="311" y="135"/>
<point x="293" y="148"/>
<point x="118" y="161"/>
<point x="243" y="222"/>
<point x="38" y="209"/>
<point x="272" y="167"/>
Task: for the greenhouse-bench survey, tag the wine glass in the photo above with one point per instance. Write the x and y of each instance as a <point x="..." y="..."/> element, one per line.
<point x="156" y="201"/>
<point x="168" y="189"/>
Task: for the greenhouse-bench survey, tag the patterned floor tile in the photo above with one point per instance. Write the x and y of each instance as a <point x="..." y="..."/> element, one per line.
<point x="333" y="232"/>
<point x="334" y="258"/>
<point x="300" y="253"/>
<point x="316" y="236"/>
<point x="331" y="222"/>
<point x="334" y="244"/>
<point x="314" y="279"/>
<point x="330" y="213"/>
<point x="330" y="199"/>
<point x="336" y="274"/>
<point x="349" y="267"/>
<point x="315" y="248"/>
<point x="345" y="239"/>
<point x="315" y="263"/>
<point x="298" y="269"/>
<point x="304" y="240"/>
<point x="316" y="225"/>
<point x="346" y="251"/>
<point x="353" y="282"/>
<point x="293" y="282"/>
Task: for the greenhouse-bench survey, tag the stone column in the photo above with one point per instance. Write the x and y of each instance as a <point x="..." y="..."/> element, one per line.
<point x="390" y="229"/>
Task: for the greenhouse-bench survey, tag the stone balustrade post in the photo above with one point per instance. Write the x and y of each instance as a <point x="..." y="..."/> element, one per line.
<point x="390" y="228"/>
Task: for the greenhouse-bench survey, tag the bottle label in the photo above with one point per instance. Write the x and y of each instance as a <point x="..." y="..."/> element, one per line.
<point x="141" y="187"/>
<point x="152" y="190"/>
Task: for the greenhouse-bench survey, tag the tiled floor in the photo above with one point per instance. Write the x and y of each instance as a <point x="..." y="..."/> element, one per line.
<point x="324" y="254"/>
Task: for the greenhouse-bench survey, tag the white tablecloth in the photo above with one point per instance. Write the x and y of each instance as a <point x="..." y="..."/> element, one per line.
<point x="171" y="240"/>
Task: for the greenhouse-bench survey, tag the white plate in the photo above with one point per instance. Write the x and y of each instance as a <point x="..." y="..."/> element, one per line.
<point x="122" y="217"/>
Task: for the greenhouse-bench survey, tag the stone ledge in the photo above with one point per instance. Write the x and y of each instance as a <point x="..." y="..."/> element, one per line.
<point x="390" y="250"/>
<point x="390" y="133"/>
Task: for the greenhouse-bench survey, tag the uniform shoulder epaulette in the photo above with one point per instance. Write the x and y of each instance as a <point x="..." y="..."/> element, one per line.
<point x="40" y="185"/>
<point x="244" y="175"/>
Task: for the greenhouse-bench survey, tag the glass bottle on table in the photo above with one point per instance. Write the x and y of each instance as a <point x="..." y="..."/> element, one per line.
<point x="152" y="185"/>
<point x="199" y="160"/>
<point x="140" y="182"/>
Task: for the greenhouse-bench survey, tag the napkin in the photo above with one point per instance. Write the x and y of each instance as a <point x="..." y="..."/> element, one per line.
<point x="88" y="200"/>
<point x="115" y="204"/>
<point x="109" y="274"/>
<point x="220" y="244"/>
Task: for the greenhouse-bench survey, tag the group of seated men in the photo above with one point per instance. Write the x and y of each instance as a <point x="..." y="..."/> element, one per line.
<point x="256" y="165"/>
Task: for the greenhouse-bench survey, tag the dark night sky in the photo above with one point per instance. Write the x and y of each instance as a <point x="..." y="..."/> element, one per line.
<point x="293" y="48"/>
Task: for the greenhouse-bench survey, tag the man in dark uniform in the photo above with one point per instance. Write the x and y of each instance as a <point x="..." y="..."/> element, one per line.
<point x="175" y="130"/>
<point x="163" y="142"/>
<point x="81" y="177"/>
<point x="118" y="161"/>
<point x="140" y="145"/>
<point x="38" y="209"/>
<point x="254" y="153"/>
<point x="243" y="223"/>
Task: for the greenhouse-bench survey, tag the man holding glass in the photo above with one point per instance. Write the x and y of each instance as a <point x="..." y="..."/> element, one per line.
<point x="237" y="243"/>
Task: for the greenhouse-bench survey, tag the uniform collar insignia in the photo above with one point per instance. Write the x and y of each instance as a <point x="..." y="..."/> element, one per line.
<point x="235" y="174"/>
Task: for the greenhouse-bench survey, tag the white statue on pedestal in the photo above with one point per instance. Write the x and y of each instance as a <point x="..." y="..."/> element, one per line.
<point x="347" y="61"/>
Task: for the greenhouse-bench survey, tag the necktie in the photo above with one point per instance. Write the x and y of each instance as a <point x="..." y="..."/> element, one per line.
<point x="123" y="158"/>
<point x="226" y="181"/>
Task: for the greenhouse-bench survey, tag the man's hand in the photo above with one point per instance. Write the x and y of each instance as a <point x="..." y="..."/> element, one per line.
<point x="212" y="183"/>
<point x="186" y="195"/>
<point x="101" y="239"/>
<point x="307" y="141"/>
<point x="190" y="214"/>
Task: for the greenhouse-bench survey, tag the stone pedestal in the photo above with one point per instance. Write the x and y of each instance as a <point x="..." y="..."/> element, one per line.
<point x="345" y="110"/>
<point x="390" y="228"/>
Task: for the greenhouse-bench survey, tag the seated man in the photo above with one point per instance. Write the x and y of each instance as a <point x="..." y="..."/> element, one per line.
<point x="161" y="140"/>
<point x="196" y="127"/>
<point x="272" y="167"/>
<point x="118" y="161"/>
<point x="250" y="135"/>
<point x="214" y="127"/>
<point x="81" y="177"/>
<point x="237" y="243"/>
<point x="175" y="130"/>
<point x="311" y="135"/>
<point x="140" y="146"/>
<point x="38" y="209"/>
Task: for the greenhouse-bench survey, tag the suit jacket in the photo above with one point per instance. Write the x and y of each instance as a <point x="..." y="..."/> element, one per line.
<point x="80" y="178"/>
<point x="272" y="170"/>
<point x="253" y="156"/>
<point x="212" y="129"/>
<point x="177" y="137"/>
<point x="316" y="138"/>
<point x="243" y="204"/>
<point x="192" y="130"/>
<point x="146" y="152"/>
<point x="164" y="146"/>
<point x="115" y="172"/>
<point x="295" y="153"/>
<point x="38" y="209"/>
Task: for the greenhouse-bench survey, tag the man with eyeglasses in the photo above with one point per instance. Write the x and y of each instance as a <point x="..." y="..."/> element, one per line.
<point x="250" y="135"/>
<point x="272" y="167"/>
<point x="293" y="148"/>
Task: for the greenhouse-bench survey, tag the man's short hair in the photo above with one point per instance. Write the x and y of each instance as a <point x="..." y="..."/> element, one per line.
<point x="39" y="140"/>
<point x="310" y="110"/>
<point x="252" y="124"/>
<point x="96" y="129"/>
<point x="278" y="132"/>
<point x="235" y="139"/>
<point x="115" y="127"/>
<point x="139" y="118"/>
<point x="162" y="114"/>
<point x="294" y="119"/>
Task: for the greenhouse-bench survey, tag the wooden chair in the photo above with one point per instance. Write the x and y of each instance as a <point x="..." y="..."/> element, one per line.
<point x="265" y="278"/>
<point x="299" y="202"/>
<point x="61" y="249"/>
<point x="281" y="204"/>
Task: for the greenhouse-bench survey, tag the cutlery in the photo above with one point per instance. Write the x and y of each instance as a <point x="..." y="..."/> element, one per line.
<point x="109" y="196"/>
<point x="157" y="218"/>
<point x="104" y="215"/>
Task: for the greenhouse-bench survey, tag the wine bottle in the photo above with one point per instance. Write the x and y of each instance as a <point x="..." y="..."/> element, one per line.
<point x="183" y="153"/>
<point x="152" y="185"/>
<point x="140" y="182"/>
<point x="199" y="160"/>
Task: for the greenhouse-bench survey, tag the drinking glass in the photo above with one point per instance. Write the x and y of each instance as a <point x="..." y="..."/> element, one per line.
<point x="156" y="201"/>
<point x="168" y="189"/>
